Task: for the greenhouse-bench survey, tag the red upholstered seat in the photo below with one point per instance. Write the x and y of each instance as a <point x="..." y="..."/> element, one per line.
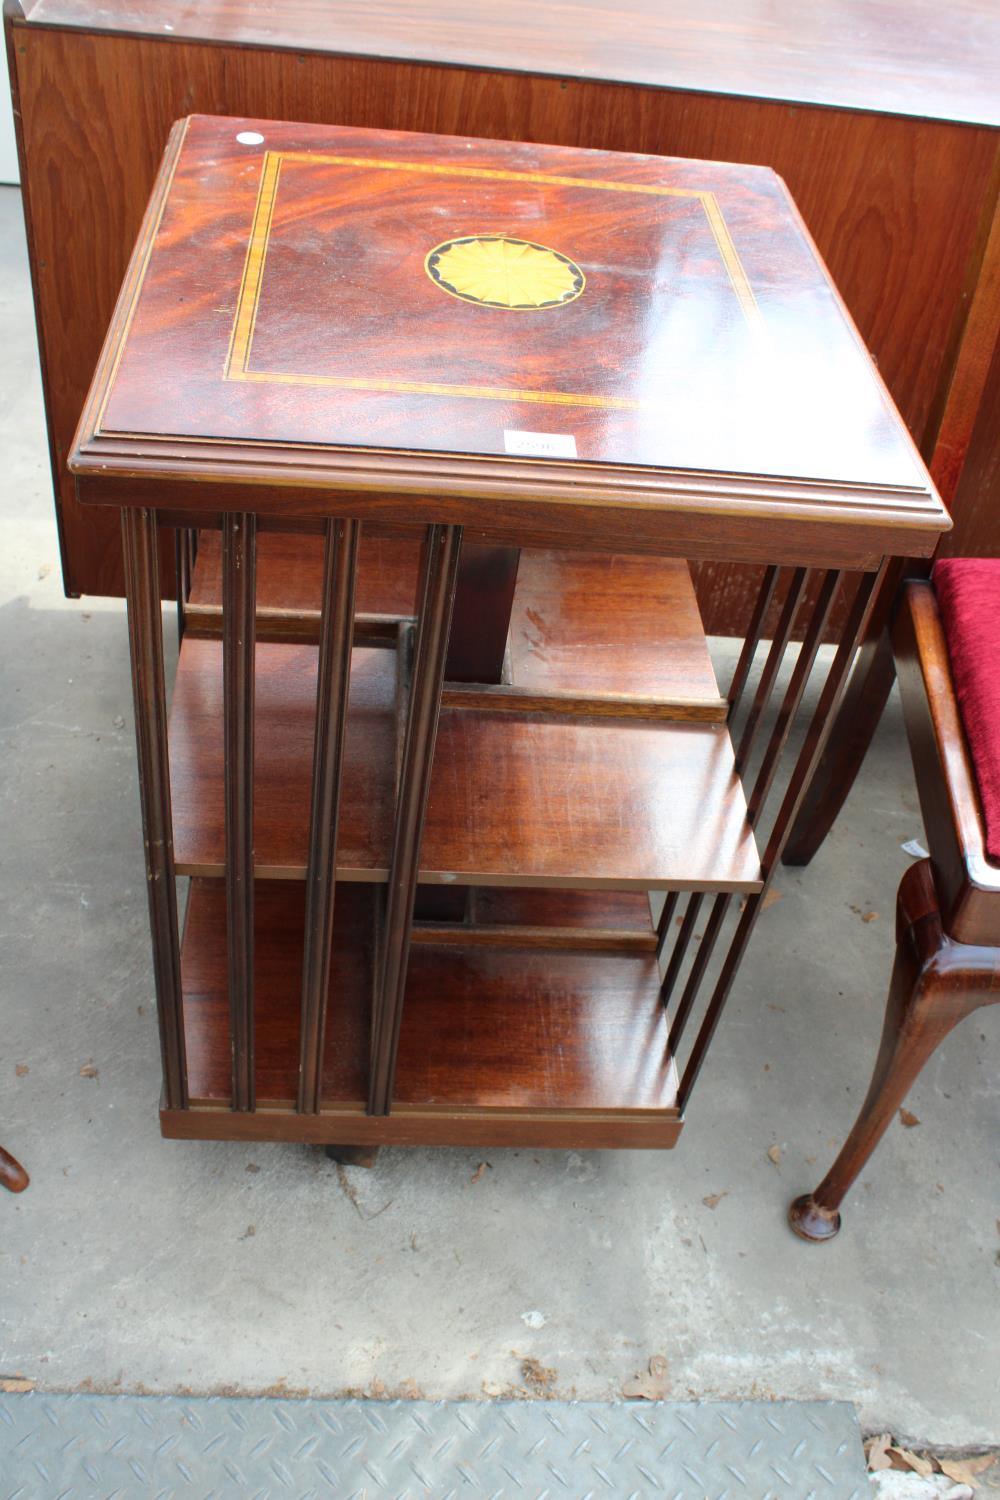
<point x="968" y="593"/>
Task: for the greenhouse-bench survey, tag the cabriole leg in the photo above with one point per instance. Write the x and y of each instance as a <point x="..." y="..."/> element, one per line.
<point x="935" y="984"/>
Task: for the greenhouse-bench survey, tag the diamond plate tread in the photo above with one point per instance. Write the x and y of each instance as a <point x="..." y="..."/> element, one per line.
<point x="81" y="1447"/>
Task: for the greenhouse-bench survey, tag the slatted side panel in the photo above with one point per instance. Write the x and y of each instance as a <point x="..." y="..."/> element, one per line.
<point x="439" y="575"/>
<point x="693" y="946"/>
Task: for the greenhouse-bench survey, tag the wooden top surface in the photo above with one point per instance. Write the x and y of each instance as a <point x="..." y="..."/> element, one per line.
<point x="315" y="298"/>
<point x="911" y="57"/>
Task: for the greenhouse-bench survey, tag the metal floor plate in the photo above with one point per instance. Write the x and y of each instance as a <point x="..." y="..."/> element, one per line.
<point x="161" y="1447"/>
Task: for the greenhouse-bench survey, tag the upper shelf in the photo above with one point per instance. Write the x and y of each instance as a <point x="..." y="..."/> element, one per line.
<point x="630" y="353"/>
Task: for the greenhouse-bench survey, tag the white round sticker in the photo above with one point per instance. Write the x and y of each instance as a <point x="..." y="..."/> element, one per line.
<point x="250" y="138"/>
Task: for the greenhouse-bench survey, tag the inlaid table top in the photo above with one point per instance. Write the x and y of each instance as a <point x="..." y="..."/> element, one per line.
<point x="420" y="318"/>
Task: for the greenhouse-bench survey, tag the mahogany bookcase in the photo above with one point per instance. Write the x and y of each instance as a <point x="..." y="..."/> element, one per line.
<point x="436" y="427"/>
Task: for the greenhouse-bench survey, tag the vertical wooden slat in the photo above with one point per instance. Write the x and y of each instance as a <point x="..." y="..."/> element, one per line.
<point x="336" y="636"/>
<point x="816" y="738"/>
<point x="440" y="572"/>
<point x="238" y="626"/>
<point x="706" y="947"/>
<point x="145" y="631"/>
<point x="764" y="596"/>
<point x="793" y="694"/>
<point x="782" y="635"/>
<point x="666" y="917"/>
<point x="681" y="946"/>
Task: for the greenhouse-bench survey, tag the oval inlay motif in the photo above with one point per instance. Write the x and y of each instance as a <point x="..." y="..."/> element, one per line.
<point x="496" y="270"/>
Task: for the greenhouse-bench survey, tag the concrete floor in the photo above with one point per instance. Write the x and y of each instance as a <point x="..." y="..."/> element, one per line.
<point x="142" y="1265"/>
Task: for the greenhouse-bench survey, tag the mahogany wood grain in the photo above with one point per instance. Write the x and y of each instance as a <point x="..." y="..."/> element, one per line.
<point x="439" y="576"/>
<point x="290" y="573"/>
<point x="239" y="543"/>
<point x="515" y="799"/>
<point x="579" y="910"/>
<point x="576" y="1130"/>
<point x="284" y="737"/>
<point x="495" y="935"/>
<point x="609" y="1083"/>
<point x="585" y="628"/>
<point x="145" y="636"/>
<point x="895" y="205"/>
<point x="896" y="56"/>
<point x="279" y="928"/>
<point x="334" y="673"/>
<point x="701" y="301"/>
<point x="611" y="921"/>
<point x="599" y="620"/>
<point x="968" y="884"/>
<point x="496" y="1028"/>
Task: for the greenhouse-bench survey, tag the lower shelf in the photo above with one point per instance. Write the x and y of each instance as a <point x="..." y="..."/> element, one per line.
<point x="499" y="1046"/>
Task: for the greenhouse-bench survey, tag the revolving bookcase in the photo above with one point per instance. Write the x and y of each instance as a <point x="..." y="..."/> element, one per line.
<point x="475" y="842"/>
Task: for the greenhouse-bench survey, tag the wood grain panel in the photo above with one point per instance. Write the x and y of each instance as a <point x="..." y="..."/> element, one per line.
<point x="516" y="799"/>
<point x="516" y="1030"/>
<point x="284" y="734"/>
<point x="290" y="573"/>
<point x="893" y="204"/>
<point x="604" y="621"/>
<point x="311" y="330"/>
<point x="567" y="1033"/>
<point x="279" y="928"/>
<point x="898" y="56"/>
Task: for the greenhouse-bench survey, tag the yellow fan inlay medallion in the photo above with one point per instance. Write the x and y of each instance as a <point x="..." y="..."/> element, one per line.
<point x="498" y="271"/>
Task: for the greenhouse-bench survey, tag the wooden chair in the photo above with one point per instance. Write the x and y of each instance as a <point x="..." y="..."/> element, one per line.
<point x="946" y="642"/>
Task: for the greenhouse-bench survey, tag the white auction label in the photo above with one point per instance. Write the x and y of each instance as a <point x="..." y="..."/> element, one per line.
<point x="539" y="444"/>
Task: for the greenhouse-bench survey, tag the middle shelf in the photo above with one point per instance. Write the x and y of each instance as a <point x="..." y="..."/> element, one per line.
<point x="517" y="798"/>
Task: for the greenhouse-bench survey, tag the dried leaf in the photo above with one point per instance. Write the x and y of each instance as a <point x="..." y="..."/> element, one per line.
<point x="652" y="1385"/>
<point x="21" y="1070"/>
<point x="911" y="1461"/>
<point x="45" y="570"/>
<point x="964" y="1470"/>
<point x="774" y="1155"/>
<point x="877" y="1452"/>
<point x="478" y="1173"/>
<point x="870" y="916"/>
<point x="771" y="896"/>
<point x="13" y="1385"/>
<point x="908" y="1118"/>
<point x="714" y="1199"/>
<point x="88" y="1071"/>
<point x="536" y="1376"/>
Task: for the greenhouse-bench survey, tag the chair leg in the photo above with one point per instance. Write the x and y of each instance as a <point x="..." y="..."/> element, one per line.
<point x="935" y="984"/>
<point x="855" y="725"/>
<point x="12" y="1174"/>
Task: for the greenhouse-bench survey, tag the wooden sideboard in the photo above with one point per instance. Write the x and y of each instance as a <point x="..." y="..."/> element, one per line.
<point x="889" y="145"/>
